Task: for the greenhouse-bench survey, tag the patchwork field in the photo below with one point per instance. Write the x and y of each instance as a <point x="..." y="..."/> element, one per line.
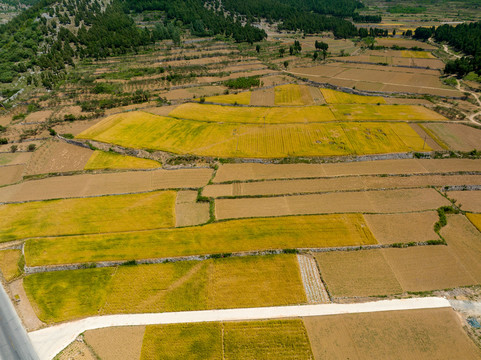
<point x="357" y="273"/>
<point x="242" y="98"/>
<point x="212" y="284"/>
<point x="58" y="156"/>
<point x="282" y="339"/>
<point x="416" y="334"/>
<point x="253" y="171"/>
<point x="338" y="97"/>
<point x="403" y="228"/>
<point x="141" y="130"/>
<point x="10" y="263"/>
<point x="111" y="160"/>
<point x="388" y="201"/>
<point x="87" y="215"/>
<point x="292" y="94"/>
<point x="370" y="77"/>
<point x="467" y="200"/>
<point x="424" y="268"/>
<point x="105" y="184"/>
<point x="188" y="211"/>
<point x="305" y="186"/>
<point x="116" y="343"/>
<point x="464" y="240"/>
<point x="456" y="136"/>
<point x="231" y="236"/>
<point x="11" y="174"/>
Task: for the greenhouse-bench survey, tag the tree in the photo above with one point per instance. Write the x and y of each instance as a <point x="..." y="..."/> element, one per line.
<point x="286" y="64"/>
<point x="324" y="54"/>
<point x="281" y="52"/>
<point x="258" y="48"/>
<point x="315" y="56"/>
<point x="394" y="32"/>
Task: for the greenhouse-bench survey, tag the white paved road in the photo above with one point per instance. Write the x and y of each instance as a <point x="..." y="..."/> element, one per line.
<point x="50" y="341"/>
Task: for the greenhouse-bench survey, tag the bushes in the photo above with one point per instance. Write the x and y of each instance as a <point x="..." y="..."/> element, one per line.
<point x="243" y="82"/>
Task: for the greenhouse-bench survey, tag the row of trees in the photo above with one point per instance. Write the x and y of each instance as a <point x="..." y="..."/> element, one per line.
<point x="465" y="38"/>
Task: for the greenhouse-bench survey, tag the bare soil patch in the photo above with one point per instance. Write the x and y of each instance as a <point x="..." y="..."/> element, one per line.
<point x="24" y="307"/>
<point x="357" y="273"/>
<point x="409" y="334"/>
<point x="402" y="228"/>
<point x="464" y="239"/>
<point x="425" y="268"/>
<point x="77" y="350"/>
<point x="38" y="116"/>
<point x="15" y="158"/>
<point x="105" y="184"/>
<point x="244" y="172"/>
<point x="189" y="212"/>
<point x="273" y="80"/>
<point x="429" y="141"/>
<point x="116" y="343"/>
<point x="263" y="97"/>
<point x="283" y="187"/>
<point x="468" y="200"/>
<point x="11" y="174"/>
<point x="160" y="110"/>
<point x="76" y="127"/>
<point x="388" y="201"/>
<point x="58" y="156"/>
<point x="457" y="136"/>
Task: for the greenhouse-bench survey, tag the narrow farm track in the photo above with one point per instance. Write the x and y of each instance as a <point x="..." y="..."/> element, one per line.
<point x="50" y="341"/>
<point x="315" y="291"/>
<point x="472" y="117"/>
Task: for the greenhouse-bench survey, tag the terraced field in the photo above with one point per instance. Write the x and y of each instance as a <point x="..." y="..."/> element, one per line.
<point x="188" y="285"/>
<point x="141" y="130"/>
<point x="242" y="98"/>
<point x="339" y="97"/>
<point x="111" y="160"/>
<point x="231" y="236"/>
<point x="282" y="339"/>
<point x="87" y="215"/>
<point x="292" y="94"/>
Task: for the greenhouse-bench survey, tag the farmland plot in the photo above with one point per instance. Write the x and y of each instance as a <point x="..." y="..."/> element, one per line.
<point x="416" y="334"/>
<point x="111" y="160"/>
<point x="116" y="343"/>
<point x="467" y="200"/>
<point x="87" y="215"/>
<point x="180" y="286"/>
<point x="231" y="236"/>
<point x="293" y="94"/>
<point x="9" y="263"/>
<point x="338" y="97"/>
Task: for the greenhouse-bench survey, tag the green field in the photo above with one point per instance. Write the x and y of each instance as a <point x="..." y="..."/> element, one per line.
<point x="142" y="130"/>
<point x="111" y="160"/>
<point x="271" y="339"/>
<point x="87" y="215"/>
<point x="180" y="286"/>
<point x="220" y="237"/>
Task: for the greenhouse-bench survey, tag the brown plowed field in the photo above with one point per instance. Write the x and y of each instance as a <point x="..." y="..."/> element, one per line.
<point x="365" y="202"/>
<point x="188" y="212"/>
<point x="409" y="334"/>
<point x="424" y="268"/>
<point x="357" y="273"/>
<point x="58" y="156"/>
<point x="116" y="343"/>
<point x="76" y="127"/>
<point x="15" y="158"/>
<point x="403" y="228"/>
<point x="263" y="97"/>
<point x="77" y="350"/>
<point x="11" y="174"/>
<point x="464" y="240"/>
<point x="104" y="184"/>
<point x="282" y="187"/>
<point x="244" y="172"/>
<point x="429" y="141"/>
<point x="457" y="136"/>
<point x="469" y="200"/>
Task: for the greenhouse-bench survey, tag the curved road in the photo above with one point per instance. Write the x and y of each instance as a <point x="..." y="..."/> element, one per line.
<point x="14" y="341"/>
<point x="50" y="341"/>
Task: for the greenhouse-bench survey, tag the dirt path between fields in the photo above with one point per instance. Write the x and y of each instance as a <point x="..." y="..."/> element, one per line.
<point x="472" y="117"/>
<point x="50" y="341"/>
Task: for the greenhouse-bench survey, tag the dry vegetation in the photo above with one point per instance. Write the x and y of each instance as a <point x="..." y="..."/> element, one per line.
<point x="10" y="264"/>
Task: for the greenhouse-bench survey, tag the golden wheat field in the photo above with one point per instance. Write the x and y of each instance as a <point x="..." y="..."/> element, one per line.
<point x="242" y="98"/>
<point x="142" y="130"/>
<point x="339" y="97"/>
<point x="292" y="94"/>
<point x="178" y="286"/>
<point x="227" y="236"/>
<point x="111" y="160"/>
